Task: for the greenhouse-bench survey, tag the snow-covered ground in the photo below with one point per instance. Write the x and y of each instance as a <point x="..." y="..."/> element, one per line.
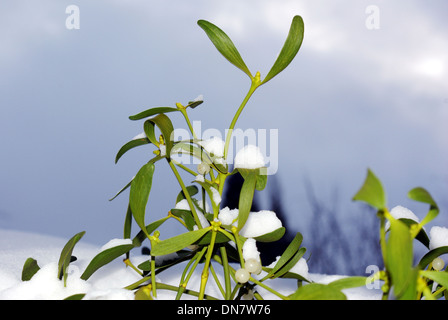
<point x="108" y="282"/>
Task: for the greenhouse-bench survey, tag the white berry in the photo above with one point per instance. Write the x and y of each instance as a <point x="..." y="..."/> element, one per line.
<point x="242" y="275"/>
<point x="203" y="168"/>
<point x="438" y="264"/>
<point x="252" y="265"/>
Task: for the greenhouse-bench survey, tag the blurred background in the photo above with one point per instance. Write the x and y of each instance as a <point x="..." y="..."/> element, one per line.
<point x="368" y="89"/>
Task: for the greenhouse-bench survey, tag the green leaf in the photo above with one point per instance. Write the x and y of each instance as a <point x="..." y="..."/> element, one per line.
<point x="192" y="190"/>
<point x="437" y="276"/>
<point x="153" y="160"/>
<point x="151" y="112"/>
<point x="246" y="198"/>
<point x="178" y="242"/>
<point x="78" y="296"/>
<point x="289" y="253"/>
<point x="138" y="196"/>
<point x="421" y="236"/>
<point x="372" y="192"/>
<point x="399" y="256"/>
<point x="29" y="269"/>
<point x="224" y="45"/>
<point x="290" y="48"/>
<point x="272" y="236"/>
<point x="349" y="282"/>
<point x="150" y="228"/>
<point x="167" y="261"/>
<point x="130" y="145"/>
<point x="105" y="257"/>
<point x="149" y="129"/>
<point x="291" y="263"/>
<point x="317" y="291"/>
<point x="193" y="104"/>
<point x="421" y="195"/>
<point x="166" y="127"/>
<point x="431" y="255"/>
<point x="66" y="254"/>
<point x="186" y="216"/>
<point x="261" y="174"/>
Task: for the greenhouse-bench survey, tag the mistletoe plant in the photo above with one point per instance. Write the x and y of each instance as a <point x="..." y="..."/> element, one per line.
<point x="210" y="241"/>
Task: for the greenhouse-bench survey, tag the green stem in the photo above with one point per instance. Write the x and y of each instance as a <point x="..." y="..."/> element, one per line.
<point x="205" y="272"/>
<point x="187" y="291"/>
<point x="187" y="195"/>
<point x="261" y="284"/>
<point x="183" y="285"/>
<point x="254" y="85"/>
<point x="238" y="245"/>
<point x="183" y="110"/>
<point x="218" y="283"/>
<point x="225" y="264"/>
<point x="153" y="276"/>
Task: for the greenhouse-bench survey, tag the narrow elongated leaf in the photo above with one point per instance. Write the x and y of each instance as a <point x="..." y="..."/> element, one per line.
<point x="421" y="236"/>
<point x="262" y="177"/>
<point x="192" y="190"/>
<point x="167" y="261"/>
<point x="66" y="254"/>
<point x="372" y="192"/>
<point x="431" y="255"/>
<point x="29" y="269"/>
<point x="151" y="112"/>
<point x="437" y="276"/>
<point x="246" y="198"/>
<point x="272" y="236"/>
<point x="399" y="256"/>
<point x="290" y="48"/>
<point x="153" y="160"/>
<point x="224" y="45"/>
<point x="349" y="282"/>
<point x="289" y="252"/>
<point x="127" y="223"/>
<point x="105" y="257"/>
<point x="178" y="242"/>
<point x="317" y="291"/>
<point x="150" y="228"/>
<point x="138" y="196"/>
<point x="166" y="127"/>
<point x="421" y="195"/>
<point x="291" y="263"/>
<point x="130" y="145"/>
<point x="149" y="129"/>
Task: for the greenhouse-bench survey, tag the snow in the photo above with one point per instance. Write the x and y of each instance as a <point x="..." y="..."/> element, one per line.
<point x="250" y="250"/>
<point x="438" y="237"/>
<point x="141" y="135"/>
<point x="260" y="223"/>
<point x="300" y="268"/>
<point x="216" y="196"/>
<point x="115" y="243"/>
<point x="214" y="146"/>
<point x="257" y="223"/>
<point x="199" y="98"/>
<point x="399" y="212"/>
<point x="199" y="178"/>
<point x="183" y="205"/>
<point x="109" y="281"/>
<point x="249" y="157"/>
<point x="227" y="216"/>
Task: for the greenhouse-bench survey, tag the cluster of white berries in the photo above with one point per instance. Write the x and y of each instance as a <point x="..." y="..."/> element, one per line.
<point x="250" y="266"/>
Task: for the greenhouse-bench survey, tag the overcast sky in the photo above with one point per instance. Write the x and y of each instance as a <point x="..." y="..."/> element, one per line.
<point x="360" y="94"/>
